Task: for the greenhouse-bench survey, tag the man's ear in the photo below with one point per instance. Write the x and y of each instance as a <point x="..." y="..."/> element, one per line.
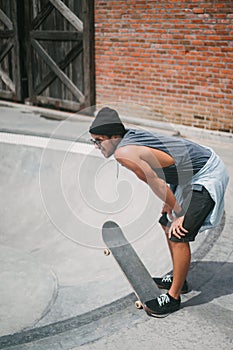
<point x="116" y="137"/>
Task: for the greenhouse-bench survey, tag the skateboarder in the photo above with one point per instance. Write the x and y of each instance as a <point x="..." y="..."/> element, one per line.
<point x="189" y="178"/>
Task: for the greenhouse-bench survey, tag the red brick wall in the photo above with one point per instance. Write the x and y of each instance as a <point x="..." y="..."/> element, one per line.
<point x="174" y="56"/>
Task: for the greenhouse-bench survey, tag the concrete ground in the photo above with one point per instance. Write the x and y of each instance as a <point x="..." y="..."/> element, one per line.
<point x="57" y="289"/>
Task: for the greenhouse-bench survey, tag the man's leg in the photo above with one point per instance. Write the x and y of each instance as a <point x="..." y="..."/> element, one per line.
<point x="181" y="262"/>
<point x="166" y="229"/>
<point x="198" y="209"/>
<point x="181" y="257"/>
<point x="170" y="302"/>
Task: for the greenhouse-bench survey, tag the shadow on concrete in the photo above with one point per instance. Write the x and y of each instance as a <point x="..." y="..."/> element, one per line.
<point x="212" y="279"/>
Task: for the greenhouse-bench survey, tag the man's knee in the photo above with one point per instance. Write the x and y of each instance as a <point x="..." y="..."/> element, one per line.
<point x="180" y="245"/>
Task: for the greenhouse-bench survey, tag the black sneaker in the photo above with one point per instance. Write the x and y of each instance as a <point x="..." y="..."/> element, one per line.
<point x="162" y="305"/>
<point x="166" y="282"/>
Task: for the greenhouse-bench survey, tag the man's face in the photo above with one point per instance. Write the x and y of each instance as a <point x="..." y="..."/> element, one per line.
<point x="105" y="144"/>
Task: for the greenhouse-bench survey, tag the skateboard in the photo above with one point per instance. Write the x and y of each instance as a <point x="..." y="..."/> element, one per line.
<point x="131" y="265"/>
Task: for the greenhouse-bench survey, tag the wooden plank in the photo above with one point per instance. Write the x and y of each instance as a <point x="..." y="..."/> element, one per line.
<point x="27" y="45"/>
<point x="5" y="34"/>
<point x="15" y="55"/>
<point x="51" y="76"/>
<point x="60" y="74"/>
<point x="5" y="50"/>
<point x="6" y="79"/>
<point x="40" y="18"/>
<point x="56" y="35"/>
<point x="6" y="20"/>
<point x="58" y="103"/>
<point x="68" y="14"/>
<point x="7" y="95"/>
<point x="88" y="49"/>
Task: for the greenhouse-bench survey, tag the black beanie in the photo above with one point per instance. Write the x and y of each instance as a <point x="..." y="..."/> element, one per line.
<point x="107" y="122"/>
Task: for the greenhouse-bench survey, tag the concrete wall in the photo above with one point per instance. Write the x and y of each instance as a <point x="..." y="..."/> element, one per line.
<point x="175" y="57"/>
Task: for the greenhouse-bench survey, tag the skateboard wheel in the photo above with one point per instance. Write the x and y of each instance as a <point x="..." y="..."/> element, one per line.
<point x="106" y="252"/>
<point x="138" y="304"/>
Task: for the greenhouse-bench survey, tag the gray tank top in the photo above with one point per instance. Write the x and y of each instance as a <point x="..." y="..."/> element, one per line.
<point x="189" y="157"/>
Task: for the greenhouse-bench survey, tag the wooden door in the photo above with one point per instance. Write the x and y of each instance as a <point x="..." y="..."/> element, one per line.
<point x="47" y="52"/>
<point x="10" y="77"/>
<point x="55" y="51"/>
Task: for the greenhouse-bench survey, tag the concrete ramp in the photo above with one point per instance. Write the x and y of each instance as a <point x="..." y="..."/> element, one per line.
<point x="56" y="195"/>
<point x="57" y="289"/>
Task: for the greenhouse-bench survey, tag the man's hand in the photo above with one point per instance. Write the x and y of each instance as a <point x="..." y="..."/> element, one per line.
<point x="177" y="228"/>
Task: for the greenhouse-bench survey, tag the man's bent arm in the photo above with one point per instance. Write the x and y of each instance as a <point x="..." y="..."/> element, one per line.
<point x="145" y="173"/>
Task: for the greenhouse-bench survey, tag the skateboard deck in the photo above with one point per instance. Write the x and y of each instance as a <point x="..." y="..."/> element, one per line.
<point x="131" y="265"/>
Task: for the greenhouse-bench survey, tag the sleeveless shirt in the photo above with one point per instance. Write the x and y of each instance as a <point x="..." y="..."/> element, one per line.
<point x="188" y="156"/>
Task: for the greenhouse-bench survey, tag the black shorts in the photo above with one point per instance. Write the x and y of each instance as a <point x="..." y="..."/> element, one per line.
<point x="197" y="205"/>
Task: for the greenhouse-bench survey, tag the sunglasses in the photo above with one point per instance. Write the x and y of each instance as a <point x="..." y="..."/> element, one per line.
<point x="96" y="142"/>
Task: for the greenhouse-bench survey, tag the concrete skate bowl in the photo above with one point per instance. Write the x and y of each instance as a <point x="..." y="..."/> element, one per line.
<point x="56" y="195"/>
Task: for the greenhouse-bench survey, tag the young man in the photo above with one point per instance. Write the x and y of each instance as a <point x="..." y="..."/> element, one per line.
<point x="189" y="178"/>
